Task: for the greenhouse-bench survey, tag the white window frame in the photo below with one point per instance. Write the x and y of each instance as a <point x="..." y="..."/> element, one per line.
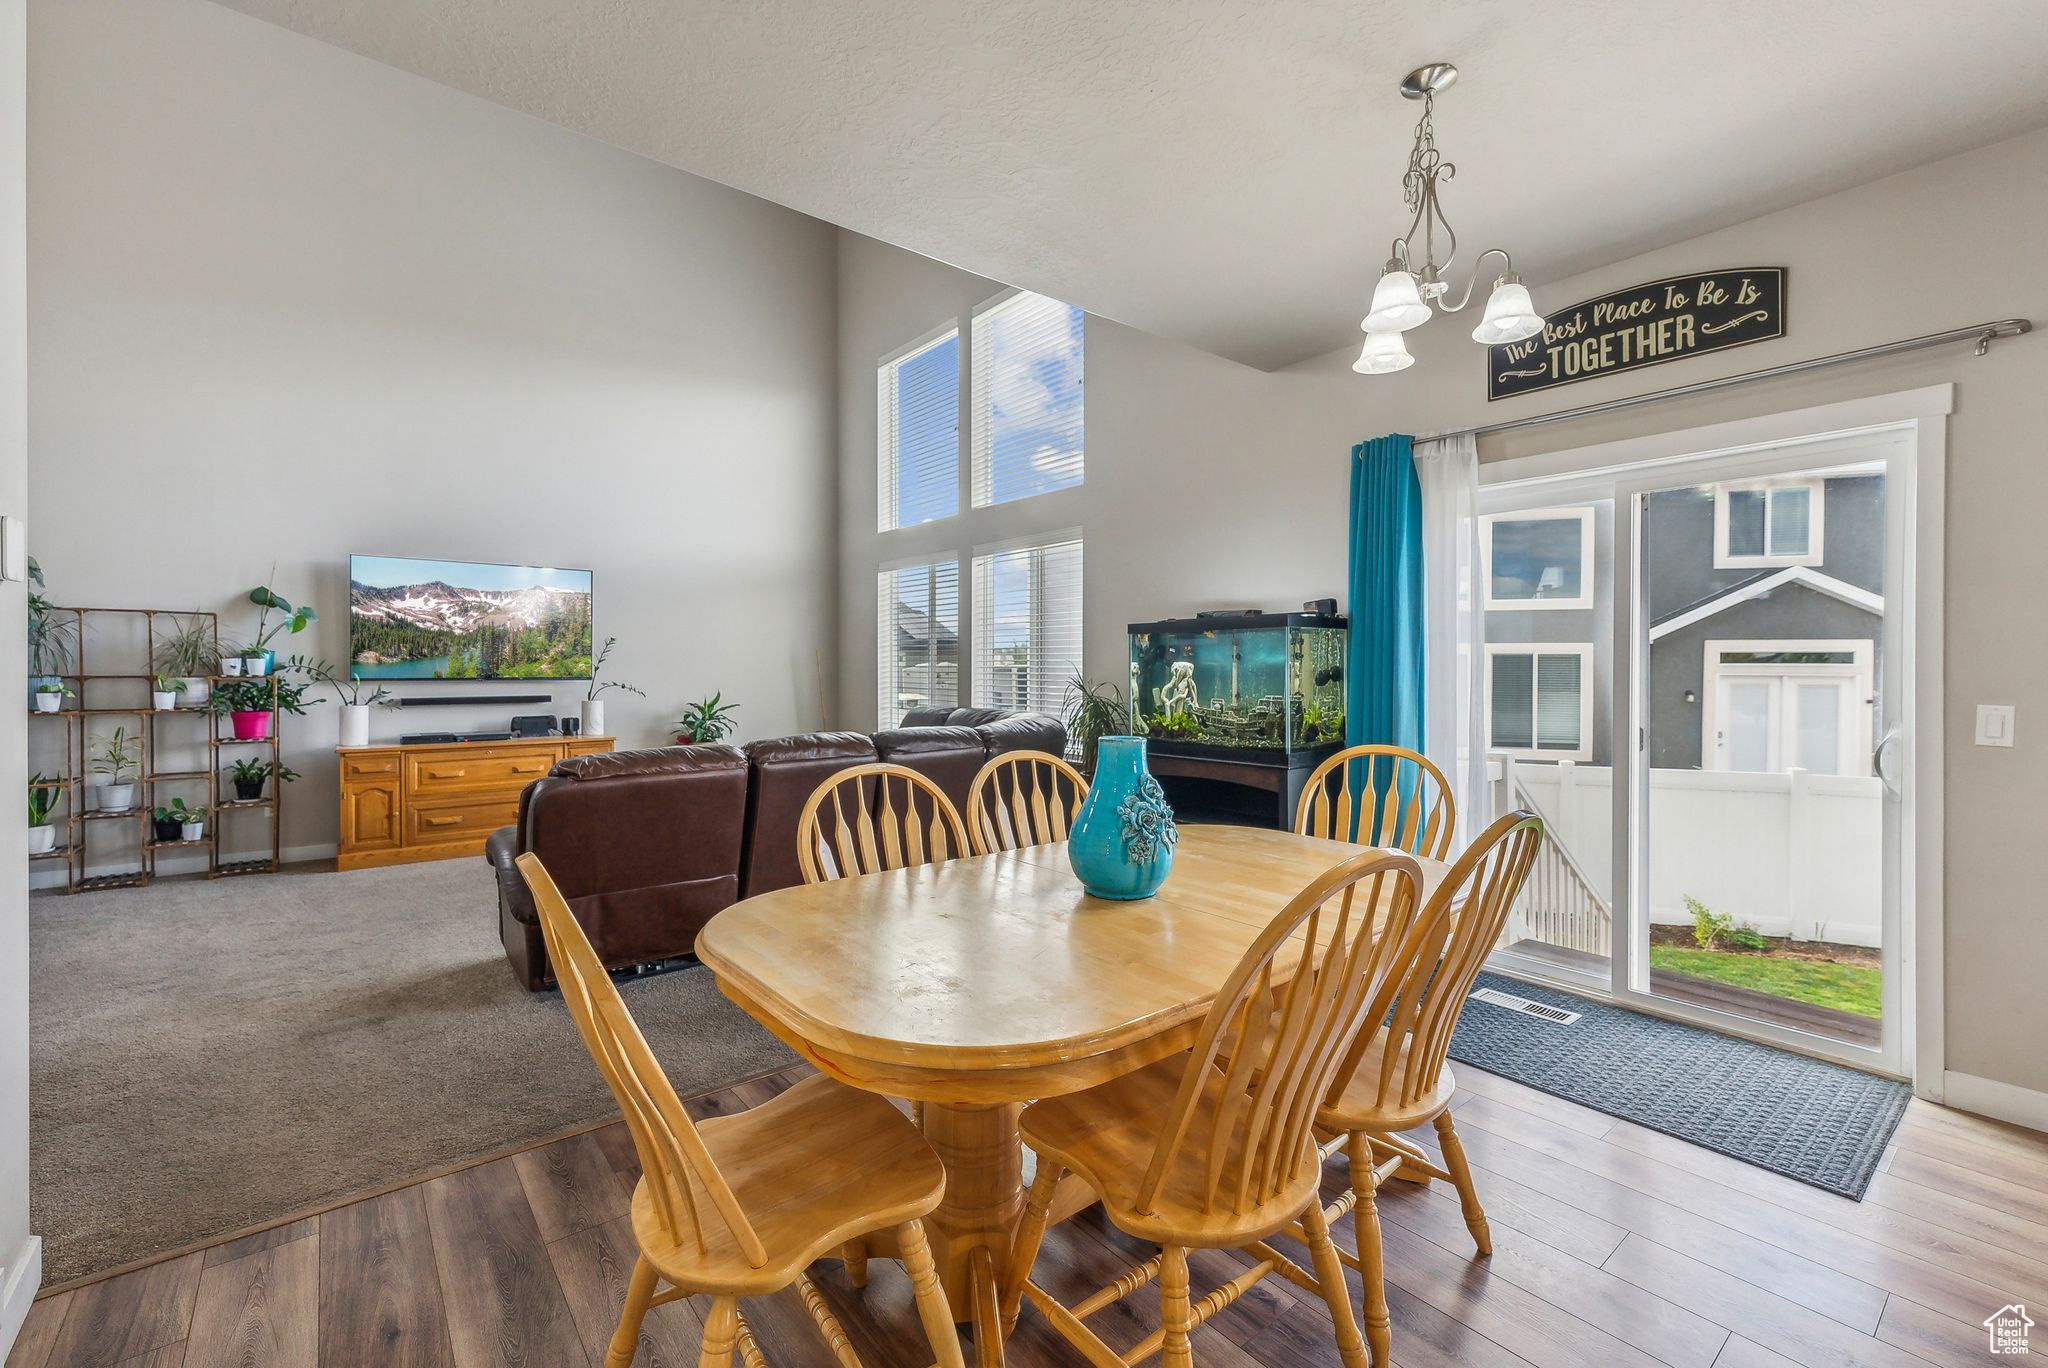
<point x="886" y="475"/>
<point x="1816" y="541"/>
<point x="979" y="477"/>
<point x="980" y="556"/>
<point x="961" y="610"/>
<point x="1582" y="602"/>
<point x="1855" y="734"/>
<point x="1584" y="651"/>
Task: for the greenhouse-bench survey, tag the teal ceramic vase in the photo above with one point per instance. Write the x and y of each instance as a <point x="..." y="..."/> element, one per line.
<point x="1121" y="845"/>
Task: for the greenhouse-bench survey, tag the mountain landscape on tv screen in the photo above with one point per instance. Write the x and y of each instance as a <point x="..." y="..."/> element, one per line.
<point x="437" y="630"/>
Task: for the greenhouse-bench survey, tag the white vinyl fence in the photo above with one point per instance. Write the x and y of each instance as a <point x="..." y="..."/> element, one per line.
<point x="1795" y="854"/>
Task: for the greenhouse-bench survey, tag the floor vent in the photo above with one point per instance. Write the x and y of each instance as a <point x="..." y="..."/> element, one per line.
<point x="1541" y="1010"/>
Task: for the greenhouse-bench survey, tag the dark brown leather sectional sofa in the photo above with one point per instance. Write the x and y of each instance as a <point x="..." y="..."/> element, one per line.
<point x="649" y="845"/>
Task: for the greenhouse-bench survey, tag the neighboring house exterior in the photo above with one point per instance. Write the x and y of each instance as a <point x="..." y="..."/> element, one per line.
<point x="1766" y="607"/>
<point x="927" y="656"/>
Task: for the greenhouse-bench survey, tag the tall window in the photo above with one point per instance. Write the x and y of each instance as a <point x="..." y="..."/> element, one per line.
<point x="1027" y="624"/>
<point x="917" y="403"/>
<point x="918" y="655"/>
<point x="1026" y="395"/>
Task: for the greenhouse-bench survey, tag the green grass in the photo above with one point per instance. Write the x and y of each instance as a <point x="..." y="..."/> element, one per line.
<point x="1844" y="987"/>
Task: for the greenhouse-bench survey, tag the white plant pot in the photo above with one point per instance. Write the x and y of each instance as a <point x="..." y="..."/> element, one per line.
<point x="42" y="839"/>
<point x="195" y="691"/>
<point x="593" y="717"/>
<point x="114" y="797"/>
<point x="256" y="666"/>
<point x="191" y="831"/>
<point x="49" y="702"/>
<point x="355" y="724"/>
<point x="163" y="700"/>
<point x="231" y="666"/>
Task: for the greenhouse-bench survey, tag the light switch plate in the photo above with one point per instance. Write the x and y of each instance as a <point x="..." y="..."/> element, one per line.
<point x="1994" y="724"/>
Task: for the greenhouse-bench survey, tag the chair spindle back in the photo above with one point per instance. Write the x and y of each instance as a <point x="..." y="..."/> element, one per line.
<point x="869" y="818"/>
<point x="1402" y="801"/>
<point x="1349" y="938"/>
<point x="1023" y="798"/>
<point x="672" y="1154"/>
<point x="1475" y="895"/>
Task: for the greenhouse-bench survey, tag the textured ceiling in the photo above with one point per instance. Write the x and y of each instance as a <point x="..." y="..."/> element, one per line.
<point x="1227" y="172"/>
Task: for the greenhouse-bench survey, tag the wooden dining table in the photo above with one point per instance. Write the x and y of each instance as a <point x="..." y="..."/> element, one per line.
<point x="981" y="984"/>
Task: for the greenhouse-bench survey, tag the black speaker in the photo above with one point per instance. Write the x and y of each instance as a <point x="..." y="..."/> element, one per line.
<point x="533" y="724"/>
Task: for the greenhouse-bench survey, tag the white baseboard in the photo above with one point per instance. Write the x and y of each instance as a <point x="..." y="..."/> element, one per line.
<point x="1999" y="1101"/>
<point x="19" y="1280"/>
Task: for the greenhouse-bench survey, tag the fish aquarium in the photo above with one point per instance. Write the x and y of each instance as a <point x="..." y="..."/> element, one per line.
<point x="1233" y="685"/>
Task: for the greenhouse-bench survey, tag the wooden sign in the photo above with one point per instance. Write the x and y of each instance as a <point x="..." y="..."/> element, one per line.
<point x="1644" y="325"/>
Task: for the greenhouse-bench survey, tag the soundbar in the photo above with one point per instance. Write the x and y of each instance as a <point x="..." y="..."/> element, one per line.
<point x="451" y="738"/>
<point x="468" y="700"/>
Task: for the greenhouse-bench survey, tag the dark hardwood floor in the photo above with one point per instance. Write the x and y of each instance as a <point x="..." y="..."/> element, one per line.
<point x="1613" y="1245"/>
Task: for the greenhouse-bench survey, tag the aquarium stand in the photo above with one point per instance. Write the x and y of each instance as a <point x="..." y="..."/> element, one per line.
<point x="1234" y="787"/>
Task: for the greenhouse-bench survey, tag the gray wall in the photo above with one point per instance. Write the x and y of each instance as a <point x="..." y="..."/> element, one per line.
<point x="289" y="303"/>
<point x="1680" y="532"/>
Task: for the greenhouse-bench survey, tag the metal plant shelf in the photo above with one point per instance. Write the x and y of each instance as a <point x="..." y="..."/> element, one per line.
<point x="93" y="688"/>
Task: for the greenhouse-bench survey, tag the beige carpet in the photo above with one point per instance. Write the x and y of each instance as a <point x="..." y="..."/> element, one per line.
<point x="211" y="1055"/>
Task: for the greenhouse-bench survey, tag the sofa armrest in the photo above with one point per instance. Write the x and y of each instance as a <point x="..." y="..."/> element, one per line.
<point x="514" y="899"/>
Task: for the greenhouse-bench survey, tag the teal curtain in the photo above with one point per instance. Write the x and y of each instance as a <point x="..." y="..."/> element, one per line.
<point x="1383" y="671"/>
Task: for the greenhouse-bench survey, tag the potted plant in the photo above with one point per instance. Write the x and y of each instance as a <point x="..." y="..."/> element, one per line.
<point x="252" y="662"/>
<point x="593" y="706"/>
<point x="248" y="776"/>
<point x="191" y="820"/>
<point x="115" y="756"/>
<point x="355" y="703"/>
<point x="705" y="721"/>
<point x="52" y="635"/>
<point x="50" y="695"/>
<point x="43" y="795"/>
<point x="294" y="621"/>
<point x="250" y="704"/>
<point x="163" y="693"/>
<point x="190" y="656"/>
<point x="1093" y="712"/>
<point x="164" y="824"/>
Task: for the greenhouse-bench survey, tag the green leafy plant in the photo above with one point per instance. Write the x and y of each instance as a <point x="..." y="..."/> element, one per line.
<point x="190" y="652"/>
<point x="116" y="755"/>
<point x="44" y="793"/>
<point x="706" y="720"/>
<point x="294" y="621"/>
<point x="1173" y="726"/>
<point x="1747" y="937"/>
<point x="255" y="771"/>
<point x="52" y="631"/>
<point x="1708" y="926"/>
<point x="51" y="686"/>
<point x="1093" y="711"/>
<point x="350" y="691"/>
<point x="597" y="668"/>
<point x="256" y="695"/>
<point x="164" y="683"/>
<point x="183" y="813"/>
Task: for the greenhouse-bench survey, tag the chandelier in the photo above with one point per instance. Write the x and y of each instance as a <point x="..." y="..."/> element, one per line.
<point x="1412" y="288"/>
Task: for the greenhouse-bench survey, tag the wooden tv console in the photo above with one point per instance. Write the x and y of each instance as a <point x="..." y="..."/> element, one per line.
<point x="401" y="804"/>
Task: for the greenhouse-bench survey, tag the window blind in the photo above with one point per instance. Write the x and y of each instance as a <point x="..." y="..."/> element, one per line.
<point x="917" y="407"/>
<point x="917" y="650"/>
<point x="1027" y="625"/>
<point x="1026" y="432"/>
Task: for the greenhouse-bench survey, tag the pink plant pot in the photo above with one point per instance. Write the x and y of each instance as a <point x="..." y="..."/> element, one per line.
<point x="250" y="726"/>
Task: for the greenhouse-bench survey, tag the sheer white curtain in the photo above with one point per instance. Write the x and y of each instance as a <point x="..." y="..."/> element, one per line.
<point x="1453" y="631"/>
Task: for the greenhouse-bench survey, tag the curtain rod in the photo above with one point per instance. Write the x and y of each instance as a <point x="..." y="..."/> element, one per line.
<point x="1983" y="334"/>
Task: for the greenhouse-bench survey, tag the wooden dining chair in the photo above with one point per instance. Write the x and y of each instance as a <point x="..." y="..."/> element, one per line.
<point x="1214" y="1148"/>
<point x="1023" y="798"/>
<point x="1401" y="801"/>
<point x="868" y="818"/>
<point x="1397" y="1079"/>
<point x="744" y="1204"/>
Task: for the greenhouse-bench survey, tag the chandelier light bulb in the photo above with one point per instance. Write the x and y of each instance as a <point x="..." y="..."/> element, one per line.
<point x="1396" y="305"/>
<point x="1510" y="314"/>
<point x="1384" y="354"/>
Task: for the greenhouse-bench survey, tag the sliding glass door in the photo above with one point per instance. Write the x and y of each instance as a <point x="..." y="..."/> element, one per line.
<point x="1694" y="674"/>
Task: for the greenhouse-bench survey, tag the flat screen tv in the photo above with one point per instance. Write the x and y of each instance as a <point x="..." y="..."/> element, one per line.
<point x="438" y="619"/>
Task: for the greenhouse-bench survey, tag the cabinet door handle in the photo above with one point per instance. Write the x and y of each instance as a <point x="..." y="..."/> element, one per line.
<point x="446" y="774"/>
<point x="529" y="769"/>
<point x="440" y="821"/>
